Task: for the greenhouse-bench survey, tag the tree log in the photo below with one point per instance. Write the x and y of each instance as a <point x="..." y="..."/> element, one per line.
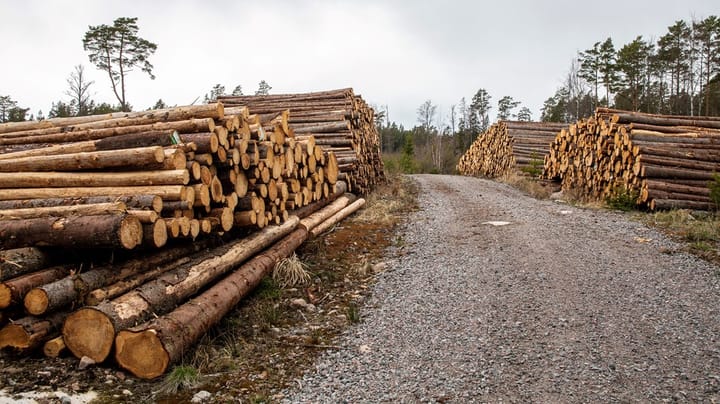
<point x="337" y="217"/>
<point x="29" y="333"/>
<point x="116" y="230"/>
<point x="94" y="179"/>
<point x="137" y="157"/>
<point x="90" y="331"/>
<point x="153" y="202"/>
<point x="169" y="192"/>
<point x="13" y="291"/>
<point x="20" y="261"/>
<point x="66" y="291"/>
<point x="54" y="347"/>
<point x="110" y="208"/>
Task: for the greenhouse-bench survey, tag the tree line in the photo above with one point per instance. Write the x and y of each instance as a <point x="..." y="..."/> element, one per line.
<point x="116" y="50"/>
<point x="677" y="74"/>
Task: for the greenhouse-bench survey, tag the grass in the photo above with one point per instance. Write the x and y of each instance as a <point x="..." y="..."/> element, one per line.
<point x="180" y="378"/>
<point x="353" y="313"/>
<point x="529" y="185"/>
<point x="290" y="272"/>
<point x="623" y="199"/>
<point x="700" y="230"/>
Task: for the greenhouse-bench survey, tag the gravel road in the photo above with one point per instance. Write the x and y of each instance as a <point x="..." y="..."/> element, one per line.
<point x="560" y="305"/>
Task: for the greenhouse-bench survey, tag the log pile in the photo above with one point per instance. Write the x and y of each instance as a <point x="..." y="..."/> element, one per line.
<point x="340" y="121"/>
<point x="665" y="161"/>
<point x="217" y="185"/>
<point x="509" y="146"/>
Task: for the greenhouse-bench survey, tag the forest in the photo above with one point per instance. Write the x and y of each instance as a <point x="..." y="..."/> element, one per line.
<point x="677" y="73"/>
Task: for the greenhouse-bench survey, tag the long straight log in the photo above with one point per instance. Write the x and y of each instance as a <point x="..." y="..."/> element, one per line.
<point x="20" y="261"/>
<point x="63" y="292"/>
<point x="13" y="291"/>
<point x="147" y="350"/>
<point x="116" y="230"/>
<point x="90" y="331"/>
<point x="337" y="217"/>
<point x="29" y="333"/>
<point x="137" y="157"/>
<point x="153" y="202"/>
<point x="93" y="179"/>
<point x="63" y="211"/>
<point x="169" y="192"/>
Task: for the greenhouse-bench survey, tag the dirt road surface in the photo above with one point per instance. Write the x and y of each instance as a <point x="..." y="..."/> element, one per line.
<point x="558" y="304"/>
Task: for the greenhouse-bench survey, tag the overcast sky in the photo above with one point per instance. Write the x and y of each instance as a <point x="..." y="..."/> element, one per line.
<point x="395" y="53"/>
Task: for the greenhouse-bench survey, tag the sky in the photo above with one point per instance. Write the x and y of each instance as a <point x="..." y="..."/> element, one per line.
<point x="395" y="53"/>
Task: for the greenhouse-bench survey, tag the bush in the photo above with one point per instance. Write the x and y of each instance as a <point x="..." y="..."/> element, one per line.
<point x="622" y="199"/>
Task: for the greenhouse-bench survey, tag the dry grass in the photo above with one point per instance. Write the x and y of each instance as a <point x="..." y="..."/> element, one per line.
<point x="533" y="187"/>
<point x="290" y="272"/>
<point x="699" y="230"/>
<point x="389" y="202"/>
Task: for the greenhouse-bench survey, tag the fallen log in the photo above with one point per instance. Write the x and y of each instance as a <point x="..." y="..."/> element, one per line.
<point x="166" y="192"/>
<point x="64" y="211"/>
<point x="137" y="157"/>
<point x="153" y="202"/>
<point x="29" y="333"/>
<point x="23" y="179"/>
<point x="337" y="217"/>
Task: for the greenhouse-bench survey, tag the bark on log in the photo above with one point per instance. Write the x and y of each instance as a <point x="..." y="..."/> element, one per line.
<point x="90" y="331"/>
<point x="29" y="333"/>
<point x="95" y="179"/>
<point x="153" y="202"/>
<point x="117" y="230"/>
<point x="66" y="291"/>
<point x="110" y="208"/>
<point x="169" y="192"/>
<point x="13" y="291"/>
<point x="137" y="157"/>
<point x="20" y="261"/>
<point x="337" y="217"/>
<point x="147" y="350"/>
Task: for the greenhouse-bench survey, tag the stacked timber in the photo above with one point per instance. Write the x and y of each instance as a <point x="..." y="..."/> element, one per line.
<point x="509" y="146"/>
<point x="339" y="120"/>
<point x="221" y="183"/>
<point x="667" y="161"/>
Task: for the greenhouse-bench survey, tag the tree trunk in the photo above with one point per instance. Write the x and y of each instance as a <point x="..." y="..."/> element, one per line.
<point x="147" y="350"/>
<point x="13" y="291"/>
<point x="93" y="179"/>
<point x="64" y="292"/>
<point x="20" y="261"/>
<point x="137" y="157"/>
<point x="64" y="211"/>
<point x="116" y="230"/>
<point x="90" y="331"/>
<point x="29" y="333"/>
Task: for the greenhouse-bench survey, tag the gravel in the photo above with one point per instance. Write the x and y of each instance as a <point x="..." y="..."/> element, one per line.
<point x="563" y="304"/>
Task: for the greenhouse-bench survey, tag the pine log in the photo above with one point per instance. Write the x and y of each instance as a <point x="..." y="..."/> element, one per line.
<point x="155" y="235"/>
<point x="115" y="230"/>
<point x="20" y="261"/>
<point x="123" y="286"/>
<point x="54" y="347"/>
<point x="13" y="291"/>
<point x="147" y="350"/>
<point x="337" y="217"/>
<point x="323" y="214"/>
<point x="64" y="211"/>
<point x="91" y="330"/>
<point x="93" y="179"/>
<point x="137" y="157"/>
<point x="153" y="202"/>
<point x="169" y="192"/>
<point x="29" y="333"/>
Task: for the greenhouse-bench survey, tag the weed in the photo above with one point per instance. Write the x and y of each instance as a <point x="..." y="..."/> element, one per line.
<point x="268" y="289"/>
<point x="290" y="272"/>
<point x="270" y="314"/>
<point x="353" y="313"/>
<point x="181" y="377"/>
<point x="703" y="231"/>
<point x="701" y="246"/>
<point x="258" y="399"/>
<point x="623" y="199"/>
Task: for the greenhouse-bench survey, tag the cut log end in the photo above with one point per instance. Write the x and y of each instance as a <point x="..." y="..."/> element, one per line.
<point x="36" y="302"/>
<point x="131" y="232"/>
<point x="5" y="296"/>
<point x="89" y="332"/>
<point x="15" y="336"/>
<point x="141" y="353"/>
<point x="54" y="347"/>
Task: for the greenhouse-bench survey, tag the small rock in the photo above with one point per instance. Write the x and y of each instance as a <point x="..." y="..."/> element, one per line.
<point x="379" y="267"/>
<point x="201" y="396"/>
<point x="311" y="308"/>
<point x="44" y="373"/>
<point x="364" y="349"/>
<point x="127" y="392"/>
<point x="85" y="362"/>
<point x="299" y="303"/>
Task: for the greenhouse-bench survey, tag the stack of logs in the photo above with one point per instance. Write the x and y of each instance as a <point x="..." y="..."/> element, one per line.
<point x="207" y="180"/>
<point x="667" y="161"/>
<point x="340" y="121"/>
<point x="508" y="146"/>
